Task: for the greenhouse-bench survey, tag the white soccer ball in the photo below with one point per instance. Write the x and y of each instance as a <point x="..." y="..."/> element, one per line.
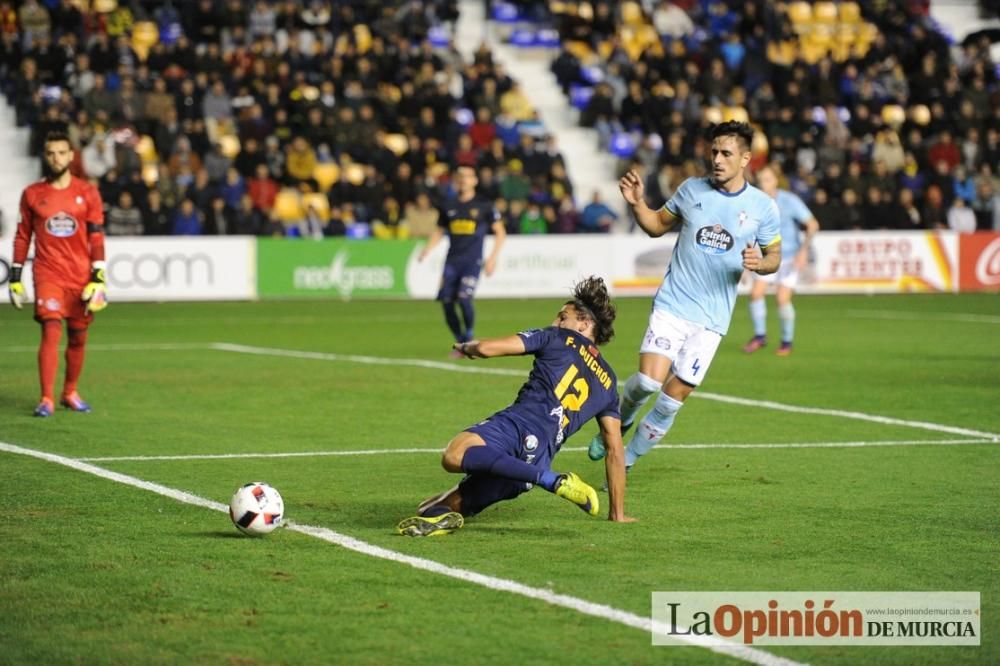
<point x="256" y="508"/>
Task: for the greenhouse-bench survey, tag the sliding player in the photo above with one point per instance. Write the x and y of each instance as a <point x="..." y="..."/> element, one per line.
<point x="512" y="451"/>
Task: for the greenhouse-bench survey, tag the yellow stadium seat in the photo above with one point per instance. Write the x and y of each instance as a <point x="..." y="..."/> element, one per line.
<point x="557" y="7"/>
<point x="288" y="205"/>
<point x="920" y="114"/>
<point x="319" y="202"/>
<point x="105" y="6"/>
<point x="581" y="50"/>
<point x="737" y="113"/>
<point x="144" y="35"/>
<point x="800" y="12"/>
<point x="397" y="143"/>
<point x="631" y="13"/>
<point x="893" y="115"/>
<point x="146" y="149"/>
<point x="850" y="12"/>
<point x="362" y="38"/>
<point x="326" y="174"/>
<point x="825" y="12"/>
<point x="355" y="173"/>
<point x="150" y="174"/>
<point x="585" y="11"/>
<point x="230" y="145"/>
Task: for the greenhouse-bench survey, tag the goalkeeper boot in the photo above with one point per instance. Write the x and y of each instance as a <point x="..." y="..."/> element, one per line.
<point x="45" y="408"/>
<point x="75" y="403"/>
<point x="420" y="526"/>
<point x="571" y="487"/>
<point x="596" y="450"/>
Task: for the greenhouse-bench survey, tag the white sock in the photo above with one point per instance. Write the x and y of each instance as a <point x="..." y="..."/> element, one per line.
<point x="786" y="313"/>
<point x="652" y="428"/>
<point x="637" y="390"/>
<point x="758" y="316"/>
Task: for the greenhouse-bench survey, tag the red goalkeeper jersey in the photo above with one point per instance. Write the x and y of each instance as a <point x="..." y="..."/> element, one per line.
<point x="68" y="228"/>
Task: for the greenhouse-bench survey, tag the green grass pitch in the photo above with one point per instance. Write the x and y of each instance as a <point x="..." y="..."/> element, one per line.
<point x="93" y="571"/>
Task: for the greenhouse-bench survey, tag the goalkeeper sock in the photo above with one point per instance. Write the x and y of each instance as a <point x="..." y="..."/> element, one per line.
<point x="48" y="356"/>
<point x="75" y="351"/>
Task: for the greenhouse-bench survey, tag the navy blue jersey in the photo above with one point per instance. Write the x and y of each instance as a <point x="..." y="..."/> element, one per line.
<point x="570" y="383"/>
<point x="467" y="224"/>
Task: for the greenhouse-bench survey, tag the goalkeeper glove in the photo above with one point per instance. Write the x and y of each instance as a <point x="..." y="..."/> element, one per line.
<point x="18" y="297"/>
<point x="95" y="293"/>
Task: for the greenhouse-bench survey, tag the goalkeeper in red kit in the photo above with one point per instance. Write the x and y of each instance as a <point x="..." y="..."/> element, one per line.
<point x="65" y="216"/>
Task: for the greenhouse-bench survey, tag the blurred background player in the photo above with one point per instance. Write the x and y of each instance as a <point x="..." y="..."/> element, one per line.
<point x="511" y="451"/>
<point x="722" y="216"/>
<point x="66" y="217"/>
<point x="466" y="219"/>
<point x="798" y="226"/>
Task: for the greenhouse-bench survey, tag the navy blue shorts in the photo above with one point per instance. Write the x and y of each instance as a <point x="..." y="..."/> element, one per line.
<point x="479" y="491"/>
<point x="459" y="281"/>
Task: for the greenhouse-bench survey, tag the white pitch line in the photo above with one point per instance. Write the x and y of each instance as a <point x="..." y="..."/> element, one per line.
<point x="139" y="346"/>
<point x="469" y="367"/>
<point x="904" y="315"/>
<point x="374" y="452"/>
<point x="603" y="611"/>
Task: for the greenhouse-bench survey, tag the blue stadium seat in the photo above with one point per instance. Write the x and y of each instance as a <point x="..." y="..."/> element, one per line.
<point x="623" y="145"/>
<point x="579" y="95"/>
<point x="505" y="12"/>
<point x="548" y="38"/>
<point x="592" y="74"/>
<point x="438" y="36"/>
<point x="523" y="38"/>
<point x="359" y="230"/>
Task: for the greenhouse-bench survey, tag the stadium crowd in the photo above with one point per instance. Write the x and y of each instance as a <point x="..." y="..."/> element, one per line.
<point x="279" y="117"/>
<point x="317" y="118"/>
<point x="877" y="120"/>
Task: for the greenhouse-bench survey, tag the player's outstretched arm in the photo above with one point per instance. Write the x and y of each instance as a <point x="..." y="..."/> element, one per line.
<point x="614" y="465"/>
<point x="512" y="345"/>
<point x="654" y="222"/>
<point x="434" y="239"/>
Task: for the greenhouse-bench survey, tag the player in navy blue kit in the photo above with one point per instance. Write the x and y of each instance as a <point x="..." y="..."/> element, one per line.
<point x="466" y="219"/>
<point x="512" y="451"/>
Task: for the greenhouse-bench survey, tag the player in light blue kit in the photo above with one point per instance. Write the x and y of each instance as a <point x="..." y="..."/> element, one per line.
<point x="798" y="226"/>
<point x="722" y="218"/>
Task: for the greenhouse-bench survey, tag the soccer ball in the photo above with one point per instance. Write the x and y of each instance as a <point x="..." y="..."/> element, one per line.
<point x="256" y="508"/>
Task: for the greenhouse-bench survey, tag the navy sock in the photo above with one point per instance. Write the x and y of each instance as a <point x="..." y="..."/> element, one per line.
<point x="451" y="317"/>
<point x="486" y="460"/>
<point x="435" y="510"/>
<point x="468" y="316"/>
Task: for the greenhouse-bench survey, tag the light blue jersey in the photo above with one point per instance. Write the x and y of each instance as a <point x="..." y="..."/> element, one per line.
<point x="700" y="283"/>
<point x="794" y="214"/>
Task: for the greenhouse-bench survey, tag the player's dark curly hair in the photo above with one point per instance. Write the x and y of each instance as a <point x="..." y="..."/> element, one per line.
<point x="742" y="131"/>
<point x="590" y="297"/>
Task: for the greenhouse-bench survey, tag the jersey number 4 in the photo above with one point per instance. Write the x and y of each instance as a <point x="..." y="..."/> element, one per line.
<point x="570" y="401"/>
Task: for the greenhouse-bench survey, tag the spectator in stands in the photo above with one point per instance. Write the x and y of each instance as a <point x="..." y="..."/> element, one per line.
<point x="187" y="220"/>
<point x="672" y="21"/>
<point x="220" y="219"/>
<point x="247" y="220"/>
<point x="156" y="218"/>
<point x="903" y="212"/>
<point x="961" y="218"/>
<point x="301" y="161"/>
<point x="389" y="221"/>
<point x="216" y="163"/>
<point x="123" y="218"/>
<point x="597" y="216"/>
<point x="532" y="221"/>
<point x="934" y="213"/>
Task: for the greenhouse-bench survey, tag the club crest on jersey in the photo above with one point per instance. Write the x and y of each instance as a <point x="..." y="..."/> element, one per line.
<point x="743" y="217"/>
<point x="52" y="305"/>
<point x="79" y="200"/>
<point x="714" y="240"/>
<point x="61" y="225"/>
<point x="530" y="443"/>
